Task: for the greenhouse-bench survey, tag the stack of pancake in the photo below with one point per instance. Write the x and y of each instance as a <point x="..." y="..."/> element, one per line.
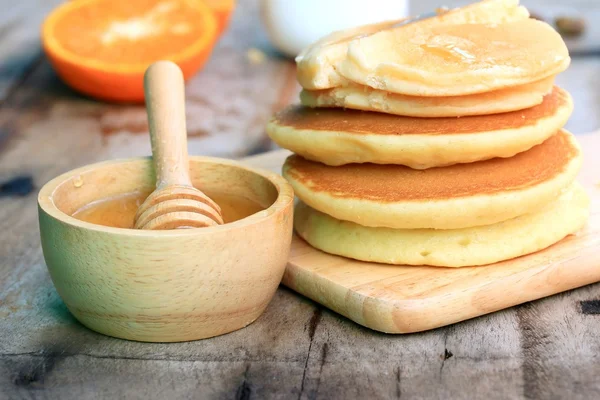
<point x="438" y="142"/>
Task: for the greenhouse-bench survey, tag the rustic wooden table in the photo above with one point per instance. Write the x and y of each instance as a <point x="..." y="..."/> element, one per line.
<point x="546" y="349"/>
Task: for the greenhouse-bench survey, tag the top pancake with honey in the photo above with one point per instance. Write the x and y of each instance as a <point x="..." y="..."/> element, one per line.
<point x="336" y="136"/>
<point x="457" y="196"/>
<point x="317" y="64"/>
<point x="453" y="60"/>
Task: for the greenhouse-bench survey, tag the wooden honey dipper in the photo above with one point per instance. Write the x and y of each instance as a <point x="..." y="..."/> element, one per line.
<point x="175" y="203"/>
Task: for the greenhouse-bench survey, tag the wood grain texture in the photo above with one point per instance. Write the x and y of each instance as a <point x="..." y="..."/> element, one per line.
<point x="411" y="299"/>
<point x="175" y="202"/>
<point x="165" y="286"/>
<point x="164" y="93"/>
<point x="19" y="41"/>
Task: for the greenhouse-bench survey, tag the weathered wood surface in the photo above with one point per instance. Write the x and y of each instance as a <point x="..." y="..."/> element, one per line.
<point x="546" y="349"/>
<point x="19" y="40"/>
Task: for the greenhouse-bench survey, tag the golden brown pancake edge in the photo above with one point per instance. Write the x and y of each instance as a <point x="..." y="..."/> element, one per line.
<point x="396" y="183"/>
<point x="366" y="122"/>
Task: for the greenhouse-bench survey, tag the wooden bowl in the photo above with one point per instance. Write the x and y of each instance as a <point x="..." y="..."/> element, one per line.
<point x="165" y="286"/>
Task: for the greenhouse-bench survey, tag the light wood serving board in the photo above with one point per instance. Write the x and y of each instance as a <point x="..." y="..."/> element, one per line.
<point x="404" y="299"/>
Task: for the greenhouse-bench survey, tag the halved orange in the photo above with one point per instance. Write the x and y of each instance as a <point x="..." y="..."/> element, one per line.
<point x="102" y="47"/>
<point x="222" y="10"/>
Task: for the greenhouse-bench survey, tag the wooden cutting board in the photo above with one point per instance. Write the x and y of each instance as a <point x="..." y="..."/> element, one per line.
<point x="404" y="299"/>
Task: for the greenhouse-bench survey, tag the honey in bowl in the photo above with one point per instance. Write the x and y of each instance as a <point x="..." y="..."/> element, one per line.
<point x="119" y="211"/>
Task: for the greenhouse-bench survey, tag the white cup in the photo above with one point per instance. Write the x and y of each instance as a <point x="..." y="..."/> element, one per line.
<point x="292" y="25"/>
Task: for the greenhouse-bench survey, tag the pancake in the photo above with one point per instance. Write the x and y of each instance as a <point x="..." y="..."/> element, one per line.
<point x="337" y="136"/>
<point x="455" y="60"/>
<point x="364" y="98"/>
<point x="458" y="196"/>
<point x="446" y="248"/>
<point x="317" y="63"/>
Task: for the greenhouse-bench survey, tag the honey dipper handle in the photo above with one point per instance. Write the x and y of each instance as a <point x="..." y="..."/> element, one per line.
<point x="165" y="104"/>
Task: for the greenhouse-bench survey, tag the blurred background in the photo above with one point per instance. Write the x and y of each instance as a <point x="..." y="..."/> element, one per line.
<point x="44" y="122"/>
